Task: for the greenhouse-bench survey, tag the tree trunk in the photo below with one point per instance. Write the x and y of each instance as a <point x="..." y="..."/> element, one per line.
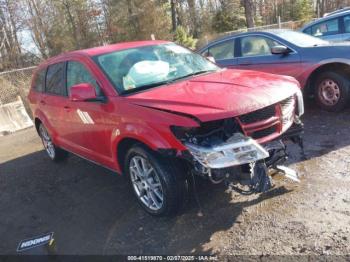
<point x="38" y="27"/>
<point x="72" y="23"/>
<point x="193" y="14"/>
<point x="173" y="14"/>
<point x="249" y="12"/>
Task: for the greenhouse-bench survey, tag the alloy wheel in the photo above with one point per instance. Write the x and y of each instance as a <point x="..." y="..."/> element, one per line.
<point x="47" y="142"/>
<point x="146" y="183"/>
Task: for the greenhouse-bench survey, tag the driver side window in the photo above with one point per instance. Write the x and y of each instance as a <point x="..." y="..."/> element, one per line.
<point x="256" y="46"/>
<point x="77" y="74"/>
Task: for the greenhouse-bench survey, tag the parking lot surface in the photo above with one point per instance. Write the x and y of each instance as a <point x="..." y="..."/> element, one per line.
<point x="92" y="211"/>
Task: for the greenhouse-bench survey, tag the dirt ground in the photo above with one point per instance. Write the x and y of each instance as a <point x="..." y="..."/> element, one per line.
<point x="92" y="211"/>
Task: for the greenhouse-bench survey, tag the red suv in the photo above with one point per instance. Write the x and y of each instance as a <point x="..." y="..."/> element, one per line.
<point x="160" y="114"/>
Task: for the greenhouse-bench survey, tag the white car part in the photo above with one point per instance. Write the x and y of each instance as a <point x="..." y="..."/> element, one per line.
<point x="288" y="173"/>
<point x="238" y="150"/>
<point x="300" y="100"/>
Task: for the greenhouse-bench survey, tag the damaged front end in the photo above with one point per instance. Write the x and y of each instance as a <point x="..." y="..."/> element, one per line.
<point x="241" y="150"/>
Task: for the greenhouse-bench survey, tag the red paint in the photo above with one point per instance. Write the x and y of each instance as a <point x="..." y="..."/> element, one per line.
<point x="82" y="92"/>
<point x="147" y="116"/>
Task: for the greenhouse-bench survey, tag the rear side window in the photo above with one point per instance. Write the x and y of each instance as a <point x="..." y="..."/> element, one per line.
<point x="55" y="80"/>
<point x="224" y="50"/>
<point x="330" y="27"/>
<point x="39" y="81"/>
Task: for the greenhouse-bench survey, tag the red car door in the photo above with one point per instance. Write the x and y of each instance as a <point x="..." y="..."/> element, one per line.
<point x="54" y="101"/>
<point x="87" y="118"/>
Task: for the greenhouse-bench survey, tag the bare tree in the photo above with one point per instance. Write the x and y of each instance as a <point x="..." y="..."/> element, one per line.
<point x="10" y="48"/>
<point x="249" y="12"/>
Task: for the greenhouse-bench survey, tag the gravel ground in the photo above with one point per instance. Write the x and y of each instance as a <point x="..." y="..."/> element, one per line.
<point x="92" y="211"/>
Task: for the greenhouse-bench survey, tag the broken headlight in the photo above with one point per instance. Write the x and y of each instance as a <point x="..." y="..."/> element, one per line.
<point x="237" y="150"/>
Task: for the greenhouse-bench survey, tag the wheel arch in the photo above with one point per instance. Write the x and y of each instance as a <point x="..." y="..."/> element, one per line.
<point x="342" y="68"/>
<point x="37" y="123"/>
<point x="124" y="144"/>
<point x="122" y="147"/>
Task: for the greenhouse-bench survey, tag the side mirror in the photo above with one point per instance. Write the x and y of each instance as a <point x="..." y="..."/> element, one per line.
<point x="211" y="59"/>
<point x="82" y="92"/>
<point x="280" y="50"/>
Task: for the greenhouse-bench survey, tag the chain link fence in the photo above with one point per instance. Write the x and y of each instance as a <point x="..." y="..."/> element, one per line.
<point x="15" y="84"/>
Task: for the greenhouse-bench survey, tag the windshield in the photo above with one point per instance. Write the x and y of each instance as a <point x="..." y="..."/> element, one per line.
<point x="300" y="39"/>
<point x="145" y="67"/>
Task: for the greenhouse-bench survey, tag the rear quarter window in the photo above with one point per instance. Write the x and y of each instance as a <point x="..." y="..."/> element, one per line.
<point x="39" y="81"/>
<point x="55" y="83"/>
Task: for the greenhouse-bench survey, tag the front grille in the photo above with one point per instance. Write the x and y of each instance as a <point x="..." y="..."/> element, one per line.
<point x="264" y="132"/>
<point x="258" y="115"/>
<point x="283" y="112"/>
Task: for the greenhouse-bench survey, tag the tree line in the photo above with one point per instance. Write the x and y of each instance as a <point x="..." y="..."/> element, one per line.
<point x="56" y="26"/>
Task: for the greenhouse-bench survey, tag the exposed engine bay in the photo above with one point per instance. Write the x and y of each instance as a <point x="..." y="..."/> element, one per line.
<point x="219" y="151"/>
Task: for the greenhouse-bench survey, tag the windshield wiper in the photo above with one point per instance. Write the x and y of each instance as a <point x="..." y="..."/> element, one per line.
<point x="147" y="86"/>
<point x="192" y="74"/>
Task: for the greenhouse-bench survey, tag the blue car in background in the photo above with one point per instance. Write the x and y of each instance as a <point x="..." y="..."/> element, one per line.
<point x="322" y="68"/>
<point x="334" y="26"/>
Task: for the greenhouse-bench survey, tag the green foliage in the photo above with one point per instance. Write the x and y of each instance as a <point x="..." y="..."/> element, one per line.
<point x="228" y="21"/>
<point x="303" y="10"/>
<point x="183" y="38"/>
<point x="138" y="20"/>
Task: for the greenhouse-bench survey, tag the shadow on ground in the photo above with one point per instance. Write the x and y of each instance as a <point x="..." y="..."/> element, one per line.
<point x="324" y="132"/>
<point x="91" y="210"/>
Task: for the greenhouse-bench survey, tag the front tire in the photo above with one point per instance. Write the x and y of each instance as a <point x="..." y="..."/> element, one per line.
<point x="55" y="153"/>
<point x="158" y="183"/>
<point x="331" y="91"/>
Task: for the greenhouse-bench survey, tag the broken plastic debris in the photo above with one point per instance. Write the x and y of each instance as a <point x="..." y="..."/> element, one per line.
<point x="289" y="173"/>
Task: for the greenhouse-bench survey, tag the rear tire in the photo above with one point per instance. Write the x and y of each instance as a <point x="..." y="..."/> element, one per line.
<point x="55" y="153"/>
<point x="331" y="91"/>
<point x="159" y="183"/>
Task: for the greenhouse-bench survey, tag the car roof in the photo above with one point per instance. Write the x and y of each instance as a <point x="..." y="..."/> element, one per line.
<point x="234" y="35"/>
<point x="326" y="18"/>
<point x="103" y="50"/>
<point x="342" y="10"/>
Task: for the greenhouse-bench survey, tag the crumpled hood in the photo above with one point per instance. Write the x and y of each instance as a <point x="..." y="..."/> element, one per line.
<point x="218" y="95"/>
